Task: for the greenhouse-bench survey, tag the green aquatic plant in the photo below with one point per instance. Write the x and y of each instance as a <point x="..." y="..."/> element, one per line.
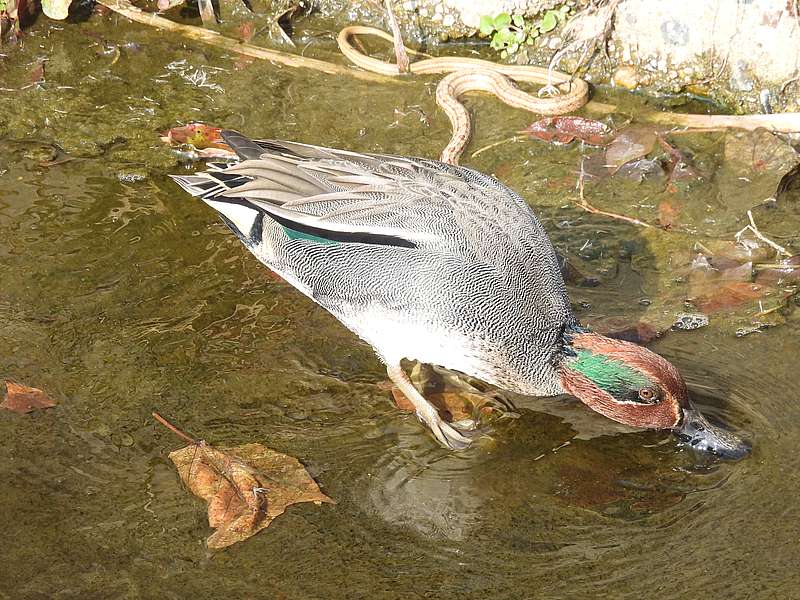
<point x="509" y="33"/>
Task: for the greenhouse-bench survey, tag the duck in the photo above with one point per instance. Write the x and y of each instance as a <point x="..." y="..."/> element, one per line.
<point x="441" y="264"/>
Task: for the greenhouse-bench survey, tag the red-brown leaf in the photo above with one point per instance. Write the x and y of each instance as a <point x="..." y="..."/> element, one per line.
<point x="198" y="135"/>
<point x="667" y="214"/>
<point x="562" y="130"/>
<point x="22" y="399"/>
<point x="728" y="295"/>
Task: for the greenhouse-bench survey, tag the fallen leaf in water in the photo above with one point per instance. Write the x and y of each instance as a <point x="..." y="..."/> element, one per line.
<point x="452" y="406"/>
<point x="667" y="214"/>
<point x="562" y="130"/>
<point x="22" y="399"/>
<point x="246" y="487"/>
<point x="728" y="295"/>
<point x="640" y="169"/>
<point x="786" y="272"/>
<point x="752" y="152"/>
<point x="620" y="328"/>
<point x="36" y="74"/>
<point x="199" y="135"/>
<point x="628" y="145"/>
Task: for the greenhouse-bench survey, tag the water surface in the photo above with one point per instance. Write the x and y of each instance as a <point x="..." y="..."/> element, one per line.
<point x="119" y="295"/>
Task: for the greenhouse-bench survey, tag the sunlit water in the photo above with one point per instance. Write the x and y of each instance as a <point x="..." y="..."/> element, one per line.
<point x="119" y="295"/>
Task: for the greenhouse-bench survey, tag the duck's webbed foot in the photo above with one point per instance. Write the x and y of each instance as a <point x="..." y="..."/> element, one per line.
<point x="447" y="435"/>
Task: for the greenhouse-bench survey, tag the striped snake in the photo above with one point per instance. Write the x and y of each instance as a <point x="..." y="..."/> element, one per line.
<point x="472" y="74"/>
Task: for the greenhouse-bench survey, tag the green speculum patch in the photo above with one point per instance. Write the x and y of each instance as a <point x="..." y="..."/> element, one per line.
<point x="610" y="375"/>
<point x="300" y="235"/>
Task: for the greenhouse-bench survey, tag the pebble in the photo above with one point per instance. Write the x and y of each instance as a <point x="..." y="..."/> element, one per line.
<point x="626" y="77"/>
<point x="690" y="321"/>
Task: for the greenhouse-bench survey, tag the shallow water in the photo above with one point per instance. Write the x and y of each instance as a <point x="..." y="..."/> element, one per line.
<point x="119" y="295"/>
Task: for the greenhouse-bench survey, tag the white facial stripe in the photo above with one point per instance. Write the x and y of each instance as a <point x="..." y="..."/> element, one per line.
<point x="241" y="216"/>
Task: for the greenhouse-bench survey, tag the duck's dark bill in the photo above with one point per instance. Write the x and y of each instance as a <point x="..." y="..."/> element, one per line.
<point x="695" y="431"/>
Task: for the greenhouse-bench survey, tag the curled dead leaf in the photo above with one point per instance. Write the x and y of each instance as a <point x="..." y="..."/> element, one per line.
<point x="23" y="399"/>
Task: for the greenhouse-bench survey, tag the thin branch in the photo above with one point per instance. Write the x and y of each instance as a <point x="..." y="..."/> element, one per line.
<point x="212" y="38"/>
<point x="753" y="228"/>
<point x="579" y="185"/>
<point x="513" y="138"/>
<point x="174" y="429"/>
<point x="403" y="64"/>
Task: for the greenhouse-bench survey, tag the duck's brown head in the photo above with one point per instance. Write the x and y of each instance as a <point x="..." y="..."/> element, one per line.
<point x="632" y="385"/>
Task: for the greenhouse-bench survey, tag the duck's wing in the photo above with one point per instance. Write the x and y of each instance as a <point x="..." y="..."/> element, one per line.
<point x="407" y="202"/>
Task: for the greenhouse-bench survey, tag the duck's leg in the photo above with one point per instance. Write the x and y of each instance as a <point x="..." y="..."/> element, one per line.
<point x="427" y="412"/>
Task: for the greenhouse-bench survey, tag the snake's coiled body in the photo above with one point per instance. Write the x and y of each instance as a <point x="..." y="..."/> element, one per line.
<point x="471" y="74"/>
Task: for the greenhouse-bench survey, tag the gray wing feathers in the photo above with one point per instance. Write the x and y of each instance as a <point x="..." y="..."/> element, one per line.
<point x="443" y="209"/>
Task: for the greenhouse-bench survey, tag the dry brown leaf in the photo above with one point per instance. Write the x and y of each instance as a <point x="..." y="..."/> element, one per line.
<point x="22" y="399"/>
<point x="630" y="144"/>
<point x="728" y="295"/>
<point x="246" y="487"/>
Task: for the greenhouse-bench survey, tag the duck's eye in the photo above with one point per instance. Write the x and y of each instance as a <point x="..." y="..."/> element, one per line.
<point x="648" y="395"/>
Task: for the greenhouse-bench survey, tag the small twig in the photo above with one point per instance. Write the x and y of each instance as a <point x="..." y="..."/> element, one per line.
<point x="206" y="36"/>
<point x="403" y="64"/>
<point x="753" y="228"/>
<point x="787" y="83"/>
<point x="579" y="185"/>
<point x="513" y="138"/>
<point x="174" y="429"/>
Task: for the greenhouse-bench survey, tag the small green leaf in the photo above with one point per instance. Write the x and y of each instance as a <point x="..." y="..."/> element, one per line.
<point x="504" y="54"/>
<point x="502" y="20"/>
<point x="518" y="20"/>
<point x="506" y="36"/>
<point x="549" y="21"/>
<point x="529" y="41"/>
<point x="520" y="35"/>
<point x="487" y="25"/>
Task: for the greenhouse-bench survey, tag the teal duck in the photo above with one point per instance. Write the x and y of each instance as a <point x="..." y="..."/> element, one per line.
<point x="443" y="265"/>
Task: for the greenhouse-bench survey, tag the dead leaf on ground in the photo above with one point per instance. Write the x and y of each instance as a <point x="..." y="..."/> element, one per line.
<point x="22" y="399"/>
<point x="562" y="130"/>
<point x="628" y="145"/>
<point x="245" y="486"/>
